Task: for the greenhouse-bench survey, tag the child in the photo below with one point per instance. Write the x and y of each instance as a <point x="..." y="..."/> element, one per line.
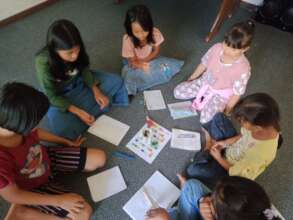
<point x="247" y="154"/>
<point x="27" y="166"/>
<point x="234" y="198"/>
<point x="221" y="77"/>
<point x="141" y="48"/>
<point x="77" y="95"/>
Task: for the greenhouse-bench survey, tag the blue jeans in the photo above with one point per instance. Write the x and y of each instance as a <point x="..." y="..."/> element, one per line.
<point x="162" y="69"/>
<point x="188" y="208"/>
<point x="68" y="125"/>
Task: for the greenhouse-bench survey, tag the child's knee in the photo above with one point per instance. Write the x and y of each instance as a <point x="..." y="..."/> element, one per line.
<point x="95" y="159"/>
<point x="177" y="93"/>
<point x="87" y="211"/>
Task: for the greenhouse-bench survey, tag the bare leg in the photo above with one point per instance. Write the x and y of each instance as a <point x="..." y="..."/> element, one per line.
<point x="208" y="139"/>
<point x="182" y="179"/>
<point x="95" y="159"/>
<point x="20" y="212"/>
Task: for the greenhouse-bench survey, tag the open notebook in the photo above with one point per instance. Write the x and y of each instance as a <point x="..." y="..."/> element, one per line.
<point x="158" y="191"/>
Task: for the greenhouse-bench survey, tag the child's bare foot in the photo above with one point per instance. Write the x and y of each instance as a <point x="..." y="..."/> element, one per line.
<point x="182" y="179"/>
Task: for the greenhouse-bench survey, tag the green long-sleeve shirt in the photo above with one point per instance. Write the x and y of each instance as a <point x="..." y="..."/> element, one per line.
<point x="52" y="87"/>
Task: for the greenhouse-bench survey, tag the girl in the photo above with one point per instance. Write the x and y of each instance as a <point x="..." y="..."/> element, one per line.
<point x="141" y="48"/>
<point x="27" y="166"/>
<point x="247" y="154"/>
<point x="76" y="94"/>
<point x="234" y="198"/>
<point x="221" y="77"/>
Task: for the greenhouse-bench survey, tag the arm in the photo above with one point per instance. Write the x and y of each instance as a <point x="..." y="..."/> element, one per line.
<point x="47" y="82"/>
<point x="13" y="194"/>
<point x="232" y="102"/>
<point x="155" y="52"/>
<point x="49" y="137"/>
<point x="200" y="69"/>
<point x="69" y="201"/>
<point x="216" y="153"/>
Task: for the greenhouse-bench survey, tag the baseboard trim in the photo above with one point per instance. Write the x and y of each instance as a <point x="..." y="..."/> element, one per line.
<point x="26" y="12"/>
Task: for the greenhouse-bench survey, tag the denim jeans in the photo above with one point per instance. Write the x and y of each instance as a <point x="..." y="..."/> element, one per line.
<point x="68" y="125"/>
<point x="188" y="208"/>
<point x="162" y="69"/>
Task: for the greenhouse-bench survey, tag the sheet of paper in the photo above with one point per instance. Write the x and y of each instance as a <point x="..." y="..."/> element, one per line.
<point x="159" y="188"/>
<point x="181" y="110"/>
<point x="109" y="129"/>
<point x="149" y="141"/>
<point x="154" y="100"/>
<point x="185" y="140"/>
<point x="106" y="184"/>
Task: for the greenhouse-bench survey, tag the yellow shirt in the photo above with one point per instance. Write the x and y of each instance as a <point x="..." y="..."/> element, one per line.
<point x="252" y="157"/>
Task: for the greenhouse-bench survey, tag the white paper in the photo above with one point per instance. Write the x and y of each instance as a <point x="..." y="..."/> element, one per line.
<point x="154" y="100"/>
<point x="160" y="189"/>
<point x="148" y="147"/>
<point x="181" y="110"/>
<point x="109" y="129"/>
<point x="185" y="140"/>
<point x="106" y="184"/>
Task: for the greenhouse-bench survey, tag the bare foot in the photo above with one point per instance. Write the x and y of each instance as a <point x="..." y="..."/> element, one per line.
<point x="182" y="179"/>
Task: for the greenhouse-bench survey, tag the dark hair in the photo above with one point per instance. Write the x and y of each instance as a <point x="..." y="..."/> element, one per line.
<point x="240" y="35"/>
<point x="141" y="15"/>
<point x="64" y="35"/>
<point x="21" y="107"/>
<point x="259" y="109"/>
<point x="238" y="198"/>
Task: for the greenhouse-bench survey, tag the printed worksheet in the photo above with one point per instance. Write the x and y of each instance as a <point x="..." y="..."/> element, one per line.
<point x="149" y="140"/>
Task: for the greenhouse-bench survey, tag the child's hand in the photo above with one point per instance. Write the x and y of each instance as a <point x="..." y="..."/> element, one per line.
<point x="76" y="143"/>
<point x="71" y="202"/>
<point x="216" y="152"/>
<point x="85" y="117"/>
<point x="206" y="209"/>
<point x="219" y="144"/>
<point x="102" y="100"/>
<point x="145" y="66"/>
<point x="157" y="214"/>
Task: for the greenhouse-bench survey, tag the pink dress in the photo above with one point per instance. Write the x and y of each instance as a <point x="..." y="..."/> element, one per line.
<point x="231" y="78"/>
<point x="128" y="49"/>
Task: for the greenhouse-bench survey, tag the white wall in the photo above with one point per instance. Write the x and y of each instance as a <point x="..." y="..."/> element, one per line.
<point x="12" y="7"/>
<point x="254" y="2"/>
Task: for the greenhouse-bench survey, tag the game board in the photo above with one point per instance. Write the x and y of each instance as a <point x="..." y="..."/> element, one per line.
<point x="149" y="140"/>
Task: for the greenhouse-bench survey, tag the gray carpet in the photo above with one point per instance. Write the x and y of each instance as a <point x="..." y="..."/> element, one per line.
<point x="184" y="25"/>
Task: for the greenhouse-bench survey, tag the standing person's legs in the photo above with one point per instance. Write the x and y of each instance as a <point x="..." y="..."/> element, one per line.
<point x="191" y="192"/>
<point x="113" y="86"/>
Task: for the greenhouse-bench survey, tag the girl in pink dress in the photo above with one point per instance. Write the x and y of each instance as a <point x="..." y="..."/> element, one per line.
<point x="221" y="78"/>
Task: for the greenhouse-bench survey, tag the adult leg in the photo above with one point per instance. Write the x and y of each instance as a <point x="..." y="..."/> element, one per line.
<point x="192" y="191"/>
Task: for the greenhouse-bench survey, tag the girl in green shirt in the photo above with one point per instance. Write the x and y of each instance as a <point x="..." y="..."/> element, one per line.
<point x="77" y="95"/>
